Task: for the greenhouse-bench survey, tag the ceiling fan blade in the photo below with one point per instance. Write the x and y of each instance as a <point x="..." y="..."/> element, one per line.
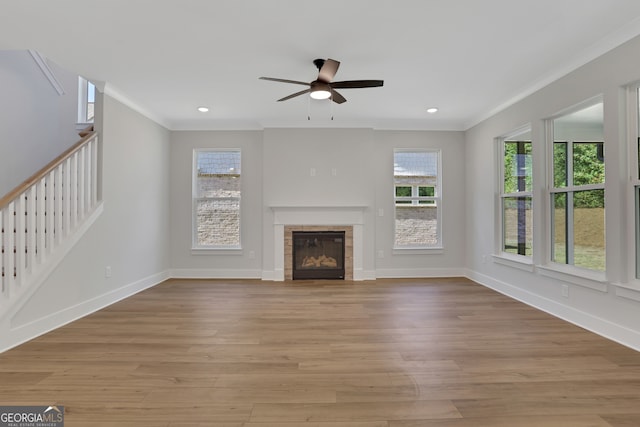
<point x="337" y="98"/>
<point x="293" y="95"/>
<point x="355" y="84"/>
<point x="273" y="79"/>
<point x="328" y="70"/>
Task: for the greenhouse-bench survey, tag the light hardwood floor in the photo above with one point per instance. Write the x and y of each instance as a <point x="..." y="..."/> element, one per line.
<point x="386" y="353"/>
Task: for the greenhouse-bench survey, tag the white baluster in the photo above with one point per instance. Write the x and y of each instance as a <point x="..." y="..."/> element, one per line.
<point x="82" y="209"/>
<point x="73" y="212"/>
<point x="41" y="220"/>
<point x="94" y="172"/>
<point x="2" y="245"/>
<point x="66" y="210"/>
<point x="21" y="240"/>
<point x="50" y="214"/>
<point x="31" y="228"/>
<point x="9" y="242"/>
<point x="59" y="233"/>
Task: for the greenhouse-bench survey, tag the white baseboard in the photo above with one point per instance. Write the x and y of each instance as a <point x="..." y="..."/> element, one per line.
<point x="597" y="325"/>
<point x="410" y="273"/>
<point x="195" y="273"/>
<point x="17" y="335"/>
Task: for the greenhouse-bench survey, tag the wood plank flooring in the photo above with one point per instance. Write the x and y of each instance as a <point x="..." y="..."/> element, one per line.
<point x="385" y="353"/>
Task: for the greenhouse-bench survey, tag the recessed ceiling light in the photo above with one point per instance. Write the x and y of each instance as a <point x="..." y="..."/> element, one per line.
<point x="203" y="109"/>
<point x="432" y="110"/>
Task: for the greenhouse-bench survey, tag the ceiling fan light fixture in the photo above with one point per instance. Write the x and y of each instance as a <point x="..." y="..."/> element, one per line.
<point x="320" y="94"/>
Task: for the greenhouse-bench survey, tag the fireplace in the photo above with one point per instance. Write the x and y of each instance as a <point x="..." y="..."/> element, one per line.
<point x="318" y="255"/>
<point x="287" y="219"/>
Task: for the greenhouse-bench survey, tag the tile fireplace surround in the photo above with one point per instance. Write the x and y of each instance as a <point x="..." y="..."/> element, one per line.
<point x="287" y="219"/>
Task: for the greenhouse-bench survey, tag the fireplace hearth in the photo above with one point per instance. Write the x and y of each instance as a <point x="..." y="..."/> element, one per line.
<point x="318" y="255"/>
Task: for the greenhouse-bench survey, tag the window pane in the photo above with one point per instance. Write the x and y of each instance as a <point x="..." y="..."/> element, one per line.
<point x="403" y="191"/>
<point x="217" y="191"/>
<point x="416" y="178"/>
<point x="637" y="192"/>
<point x="218" y="222"/>
<point x="426" y="191"/>
<point x="517" y="222"/>
<point x="559" y="228"/>
<point x="578" y="212"/>
<point x="589" y="237"/>
<point x="588" y="163"/>
<point x="517" y="166"/>
<point x="560" y="164"/>
<point x="91" y="101"/>
<point x="416" y="226"/>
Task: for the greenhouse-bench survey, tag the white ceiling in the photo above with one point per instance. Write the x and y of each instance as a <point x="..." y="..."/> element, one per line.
<point x="469" y="58"/>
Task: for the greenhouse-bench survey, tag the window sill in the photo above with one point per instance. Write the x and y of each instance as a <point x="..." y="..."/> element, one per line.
<point x="418" y="251"/>
<point x="515" y="261"/>
<point x="595" y="280"/>
<point x="216" y="251"/>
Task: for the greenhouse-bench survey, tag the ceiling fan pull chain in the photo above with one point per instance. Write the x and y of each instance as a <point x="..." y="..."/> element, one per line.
<point x="331" y="105"/>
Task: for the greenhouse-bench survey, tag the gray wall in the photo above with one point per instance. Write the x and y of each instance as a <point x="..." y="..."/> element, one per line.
<point x="36" y="123"/>
<point x="276" y="171"/>
<point x="131" y="236"/>
<point x="607" y="304"/>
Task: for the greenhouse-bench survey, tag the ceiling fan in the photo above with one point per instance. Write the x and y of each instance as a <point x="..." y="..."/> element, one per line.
<point x="323" y="87"/>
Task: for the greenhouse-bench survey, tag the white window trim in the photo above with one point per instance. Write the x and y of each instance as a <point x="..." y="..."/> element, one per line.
<point x="438" y="247"/>
<point x="594" y="279"/>
<point x="631" y="287"/>
<point x="501" y="256"/>
<point x="210" y="249"/>
<point x="83" y="91"/>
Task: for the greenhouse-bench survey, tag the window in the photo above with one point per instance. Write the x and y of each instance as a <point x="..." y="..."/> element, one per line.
<point x="216" y="199"/>
<point x="516" y="194"/>
<point x="577" y="193"/>
<point x="86" y="100"/>
<point x="417" y="196"/>
<point x="635" y="176"/>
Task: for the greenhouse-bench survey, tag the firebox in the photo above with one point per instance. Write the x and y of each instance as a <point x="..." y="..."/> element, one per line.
<point x="318" y="255"/>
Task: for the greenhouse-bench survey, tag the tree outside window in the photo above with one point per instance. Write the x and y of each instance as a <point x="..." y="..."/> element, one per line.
<point x="577" y="196"/>
<point x="516" y="194"/>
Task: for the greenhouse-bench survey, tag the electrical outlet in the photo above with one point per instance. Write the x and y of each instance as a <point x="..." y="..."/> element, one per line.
<point x="334" y="172"/>
<point x="107" y="272"/>
<point x="312" y="172"/>
<point x="380" y="212"/>
<point x="252" y="254"/>
<point x="381" y="254"/>
<point x="565" y="291"/>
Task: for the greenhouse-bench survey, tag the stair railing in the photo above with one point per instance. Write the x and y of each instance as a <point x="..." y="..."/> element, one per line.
<point x="44" y="211"/>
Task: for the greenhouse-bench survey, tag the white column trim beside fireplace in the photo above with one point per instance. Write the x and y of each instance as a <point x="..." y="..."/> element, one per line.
<point x="318" y="215"/>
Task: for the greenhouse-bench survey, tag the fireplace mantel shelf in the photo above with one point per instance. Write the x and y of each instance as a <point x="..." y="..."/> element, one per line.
<point x="317" y="207"/>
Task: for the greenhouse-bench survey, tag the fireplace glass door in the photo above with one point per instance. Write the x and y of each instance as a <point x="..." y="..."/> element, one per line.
<point x="318" y="255"/>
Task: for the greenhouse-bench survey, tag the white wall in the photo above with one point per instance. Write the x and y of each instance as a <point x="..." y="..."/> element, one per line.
<point x="131" y="236"/>
<point x="610" y="305"/>
<point x="36" y="123"/>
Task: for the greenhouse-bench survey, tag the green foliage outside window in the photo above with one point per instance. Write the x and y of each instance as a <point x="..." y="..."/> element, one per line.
<point x="588" y="168"/>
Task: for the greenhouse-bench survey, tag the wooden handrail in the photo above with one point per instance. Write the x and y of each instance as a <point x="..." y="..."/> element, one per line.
<point x="86" y="134"/>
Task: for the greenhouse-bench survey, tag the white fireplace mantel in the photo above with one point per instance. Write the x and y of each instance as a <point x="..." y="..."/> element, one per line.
<point x="352" y="215"/>
<point x="318" y="215"/>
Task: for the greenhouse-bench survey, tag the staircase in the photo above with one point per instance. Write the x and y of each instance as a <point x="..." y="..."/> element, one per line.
<point x="43" y="217"/>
